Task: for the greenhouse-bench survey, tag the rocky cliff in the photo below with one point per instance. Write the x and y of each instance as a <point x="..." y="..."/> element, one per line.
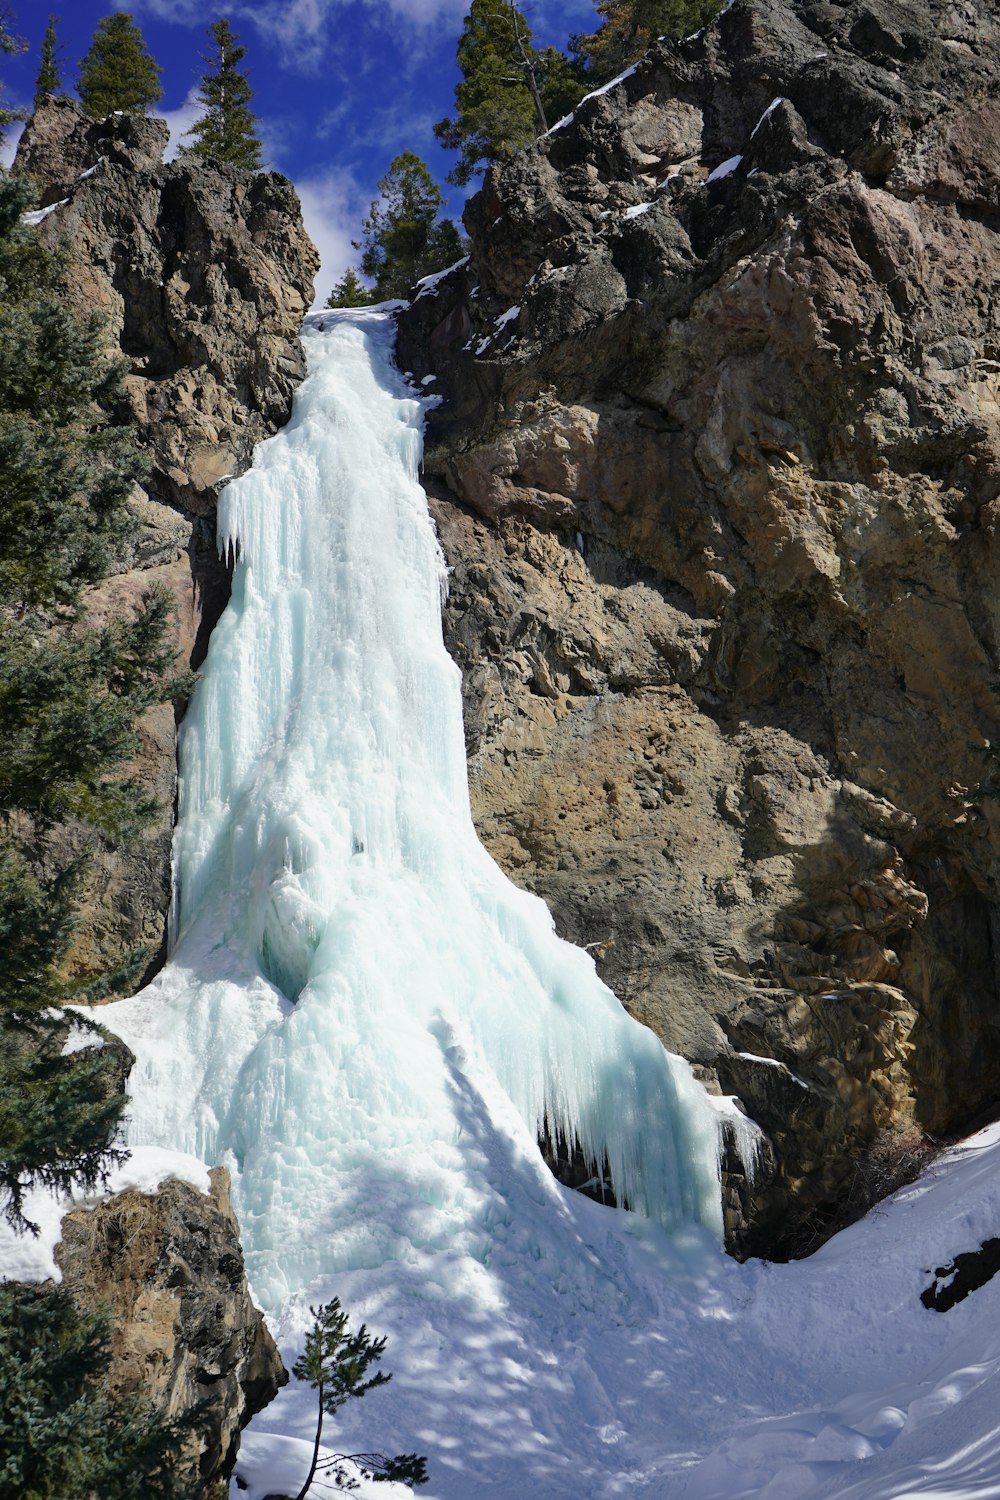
<point x="717" y="473"/>
<point x="201" y="276"/>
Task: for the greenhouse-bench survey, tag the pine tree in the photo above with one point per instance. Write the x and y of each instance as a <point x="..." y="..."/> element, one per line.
<point x="49" y="80"/>
<point x="349" y="292"/>
<point x="228" y="129"/>
<point x="336" y="1364"/>
<point x="630" y="27"/>
<point x="61" y="1436"/>
<point x="509" y="91"/>
<point x="400" y="240"/>
<point x="10" y="45"/>
<point x="563" y="83"/>
<point x="69" y="700"/>
<point x="118" y="73"/>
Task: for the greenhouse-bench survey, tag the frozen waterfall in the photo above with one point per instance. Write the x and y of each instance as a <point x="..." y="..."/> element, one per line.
<point x="361" y="1016"/>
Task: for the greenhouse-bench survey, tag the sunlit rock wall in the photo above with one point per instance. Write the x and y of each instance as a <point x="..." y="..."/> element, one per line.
<point x="718" y="474"/>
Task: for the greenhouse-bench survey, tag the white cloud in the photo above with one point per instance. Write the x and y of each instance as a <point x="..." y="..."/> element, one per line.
<point x="180" y="121"/>
<point x="332" y="208"/>
<point x="306" y="32"/>
<point x="11" y="136"/>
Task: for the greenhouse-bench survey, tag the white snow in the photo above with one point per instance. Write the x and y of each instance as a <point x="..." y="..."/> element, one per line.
<point x="90" y="170"/>
<point x="772" y="1062"/>
<point x="683" y="1376"/>
<point x="637" y="209"/>
<point x="724" y="169"/>
<point x="38" y="214"/>
<point x="594" y="94"/>
<point x="365" y="1021"/>
<point x="429" y="284"/>
<point x="768" y="111"/>
<point x="82" y="1038"/>
<point x="507" y="317"/>
<point x="26" y="1257"/>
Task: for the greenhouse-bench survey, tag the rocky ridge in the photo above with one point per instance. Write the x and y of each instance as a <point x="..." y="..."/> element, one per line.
<point x="717" y="474"/>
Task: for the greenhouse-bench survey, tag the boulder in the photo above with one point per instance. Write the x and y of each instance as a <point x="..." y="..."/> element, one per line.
<point x="168" y="1269"/>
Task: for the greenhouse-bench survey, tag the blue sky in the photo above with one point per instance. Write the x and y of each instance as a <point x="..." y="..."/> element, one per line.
<point x="341" y="86"/>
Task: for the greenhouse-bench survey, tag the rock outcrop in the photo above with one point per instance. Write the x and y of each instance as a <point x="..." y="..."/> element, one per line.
<point x="168" y="1268"/>
<point x="717" y="473"/>
<point x="201" y="276"/>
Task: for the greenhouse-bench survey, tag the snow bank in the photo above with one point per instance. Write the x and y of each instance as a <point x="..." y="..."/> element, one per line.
<point x="26" y="1257"/>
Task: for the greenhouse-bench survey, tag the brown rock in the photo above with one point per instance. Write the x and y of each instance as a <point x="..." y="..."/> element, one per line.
<point x="168" y="1268"/>
<point x="720" y="506"/>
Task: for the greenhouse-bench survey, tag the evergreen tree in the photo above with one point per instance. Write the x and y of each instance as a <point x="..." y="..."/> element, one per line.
<point x="61" y="1437"/>
<point x="400" y="240"/>
<point x="228" y="129"/>
<point x="118" y="72"/>
<point x="69" y="700"/>
<point x="336" y="1364"/>
<point x="10" y="45"/>
<point x="49" y="80"/>
<point x="630" y="27"/>
<point x="509" y="91"/>
<point x="349" y="291"/>
<point x="563" y="83"/>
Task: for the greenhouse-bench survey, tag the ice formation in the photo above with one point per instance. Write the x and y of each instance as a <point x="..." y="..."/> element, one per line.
<point x="348" y="965"/>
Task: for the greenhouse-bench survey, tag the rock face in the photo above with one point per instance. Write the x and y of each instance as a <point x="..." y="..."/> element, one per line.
<point x="717" y="471"/>
<point x="201" y="276"/>
<point x="185" y="1333"/>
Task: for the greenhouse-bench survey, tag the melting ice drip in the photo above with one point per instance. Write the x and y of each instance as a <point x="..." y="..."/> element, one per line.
<point x="354" y="984"/>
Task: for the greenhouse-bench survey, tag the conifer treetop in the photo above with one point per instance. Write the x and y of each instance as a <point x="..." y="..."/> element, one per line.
<point x="509" y="90"/>
<point x="227" y="131"/>
<point x="350" y="291"/>
<point x="402" y="238"/>
<point x="49" y="80"/>
<point x="118" y="72"/>
<point x="629" y="27"/>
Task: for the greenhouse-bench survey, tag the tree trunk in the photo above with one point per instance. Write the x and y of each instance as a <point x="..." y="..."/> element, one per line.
<point x="529" y="69"/>
<point x="315" y="1458"/>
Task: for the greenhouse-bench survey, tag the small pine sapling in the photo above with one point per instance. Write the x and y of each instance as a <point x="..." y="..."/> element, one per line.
<point x="336" y="1364"/>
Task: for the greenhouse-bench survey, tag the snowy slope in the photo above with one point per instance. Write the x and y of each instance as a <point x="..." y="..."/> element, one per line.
<point x="818" y="1379"/>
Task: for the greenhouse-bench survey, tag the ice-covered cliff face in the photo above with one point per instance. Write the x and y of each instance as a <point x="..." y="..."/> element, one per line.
<point x="362" y="1017"/>
<point x="201" y="275"/>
